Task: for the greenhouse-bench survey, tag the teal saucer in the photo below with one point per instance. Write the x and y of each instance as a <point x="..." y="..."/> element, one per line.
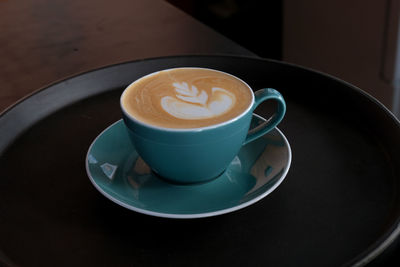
<point x="117" y="171"/>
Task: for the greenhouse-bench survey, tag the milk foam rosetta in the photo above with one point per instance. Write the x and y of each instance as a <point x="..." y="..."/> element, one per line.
<point x="190" y="104"/>
<point x="186" y="98"/>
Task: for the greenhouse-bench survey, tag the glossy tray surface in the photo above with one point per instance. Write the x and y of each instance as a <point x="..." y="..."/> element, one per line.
<point x="338" y="205"/>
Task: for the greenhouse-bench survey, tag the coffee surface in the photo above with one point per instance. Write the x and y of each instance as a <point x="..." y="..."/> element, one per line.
<point x="186" y="98"/>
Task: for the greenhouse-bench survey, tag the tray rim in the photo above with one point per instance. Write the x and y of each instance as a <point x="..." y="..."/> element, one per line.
<point x="106" y="66"/>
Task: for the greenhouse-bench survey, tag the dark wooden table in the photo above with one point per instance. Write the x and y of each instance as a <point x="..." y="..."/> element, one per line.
<point x="42" y="41"/>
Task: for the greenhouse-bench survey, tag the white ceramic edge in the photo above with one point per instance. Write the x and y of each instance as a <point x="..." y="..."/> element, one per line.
<point x="194" y="215"/>
<point x="248" y="109"/>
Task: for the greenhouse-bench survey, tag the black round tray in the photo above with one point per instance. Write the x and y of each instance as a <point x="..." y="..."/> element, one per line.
<point x="339" y="204"/>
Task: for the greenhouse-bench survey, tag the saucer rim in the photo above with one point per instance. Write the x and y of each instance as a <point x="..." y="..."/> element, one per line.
<point x="191" y="215"/>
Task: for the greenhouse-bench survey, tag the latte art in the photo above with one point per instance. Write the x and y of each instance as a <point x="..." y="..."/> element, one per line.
<point x="186" y="98"/>
<point x="189" y="103"/>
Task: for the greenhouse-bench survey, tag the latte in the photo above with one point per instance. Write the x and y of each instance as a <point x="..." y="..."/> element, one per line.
<point x="184" y="98"/>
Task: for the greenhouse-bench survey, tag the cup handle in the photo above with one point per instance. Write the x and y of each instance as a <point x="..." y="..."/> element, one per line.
<point x="261" y="96"/>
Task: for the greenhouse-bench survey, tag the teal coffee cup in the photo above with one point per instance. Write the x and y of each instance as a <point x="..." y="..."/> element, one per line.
<point x="188" y="124"/>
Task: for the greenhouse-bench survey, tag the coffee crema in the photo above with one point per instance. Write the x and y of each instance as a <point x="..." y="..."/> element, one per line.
<point x="185" y="98"/>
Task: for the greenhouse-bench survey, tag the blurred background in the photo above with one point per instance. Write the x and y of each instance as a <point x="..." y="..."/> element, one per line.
<point x="354" y="40"/>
